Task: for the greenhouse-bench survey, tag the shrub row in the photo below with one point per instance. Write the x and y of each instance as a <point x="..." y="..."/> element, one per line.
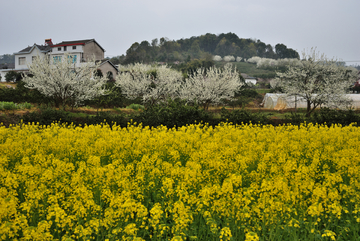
<point x="327" y="117"/>
<point x="177" y="114"/>
<point x="170" y="114"/>
<point x="14" y="106"/>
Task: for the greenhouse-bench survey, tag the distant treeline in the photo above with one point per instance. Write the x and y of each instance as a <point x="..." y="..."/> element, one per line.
<point x="7" y="59"/>
<point x="202" y="47"/>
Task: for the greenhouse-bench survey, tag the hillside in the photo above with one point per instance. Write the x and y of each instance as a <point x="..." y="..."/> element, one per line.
<point x="202" y="47"/>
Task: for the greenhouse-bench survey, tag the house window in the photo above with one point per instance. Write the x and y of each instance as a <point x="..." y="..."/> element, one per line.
<point x="72" y="58"/>
<point x="64" y="48"/>
<point x="33" y="58"/>
<point x="59" y="49"/>
<point x="57" y="59"/>
<point x="74" y="47"/>
<point x="110" y="75"/>
<point x="22" y="60"/>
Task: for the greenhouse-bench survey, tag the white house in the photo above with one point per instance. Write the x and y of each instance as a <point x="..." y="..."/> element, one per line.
<point x="249" y="79"/>
<point x="80" y="50"/>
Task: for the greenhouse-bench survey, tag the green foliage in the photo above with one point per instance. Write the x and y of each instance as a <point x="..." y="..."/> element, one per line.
<point x="325" y="116"/>
<point x="46" y="116"/>
<point x="172" y="113"/>
<point x="265" y="76"/>
<point x="295" y="118"/>
<point x="243" y="116"/>
<point x="332" y="116"/>
<point x="248" y="92"/>
<point x="14" y="106"/>
<point x="104" y="117"/>
<point x="118" y="59"/>
<point x="13" y="76"/>
<point x="134" y="106"/>
<point x="250" y="69"/>
<point x="23" y="94"/>
<point x="197" y="47"/>
<point x="283" y="52"/>
<point x="114" y="98"/>
<point x="243" y="97"/>
<point x="189" y="68"/>
<point x="7" y="59"/>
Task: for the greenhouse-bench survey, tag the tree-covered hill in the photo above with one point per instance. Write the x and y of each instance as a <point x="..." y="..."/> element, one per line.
<point x="7" y="59"/>
<point x="202" y="47"/>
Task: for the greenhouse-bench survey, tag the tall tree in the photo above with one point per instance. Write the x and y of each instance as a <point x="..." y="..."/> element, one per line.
<point x="318" y="81"/>
<point x="211" y="86"/>
<point x="152" y="84"/>
<point x="65" y="82"/>
<point x="281" y="51"/>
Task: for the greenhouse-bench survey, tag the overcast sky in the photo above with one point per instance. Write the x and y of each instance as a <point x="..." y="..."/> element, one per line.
<point x="332" y="26"/>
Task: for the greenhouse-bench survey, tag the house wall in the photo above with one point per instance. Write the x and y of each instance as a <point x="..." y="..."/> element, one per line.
<point x="91" y="49"/>
<point x="106" y="67"/>
<point x="28" y="58"/>
<point x="69" y="49"/>
<point x="59" y="53"/>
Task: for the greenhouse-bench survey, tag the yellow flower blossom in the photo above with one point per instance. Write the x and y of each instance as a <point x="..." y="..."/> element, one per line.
<point x="226" y="182"/>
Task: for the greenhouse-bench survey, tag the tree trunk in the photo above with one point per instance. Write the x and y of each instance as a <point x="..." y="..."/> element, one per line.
<point x="308" y="108"/>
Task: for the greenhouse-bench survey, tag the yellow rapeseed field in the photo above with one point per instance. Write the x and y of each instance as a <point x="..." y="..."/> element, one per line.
<point x="196" y="182"/>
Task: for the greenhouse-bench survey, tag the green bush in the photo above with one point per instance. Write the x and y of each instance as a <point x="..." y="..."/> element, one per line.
<point x="7" y="106"/>
<point x="243" y="117"/>
<point x="135" y="107"/>
<point x="332" y="116"/>
<point x="13" y="76"/>
<point x="25" y="105"/>
<point x="4" y="105"/>
<point x="22" y="94"/>
<point x="172" y="113"/>
<point x="114" y="98"/>
<point x="46" y="116"/>
<point x="104" y="117"/>
<point x="295" y="118"/>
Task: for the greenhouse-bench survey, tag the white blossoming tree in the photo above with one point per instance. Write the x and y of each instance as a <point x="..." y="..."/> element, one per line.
<point x="152" y="84"/>
<point x="217" y="58"/>
<point x="318" y="81"/>
<point x="266" y="62"/>
<point x="66" y="83"/>
<point x="229" y="58"/>
<point x="211" y="86"/>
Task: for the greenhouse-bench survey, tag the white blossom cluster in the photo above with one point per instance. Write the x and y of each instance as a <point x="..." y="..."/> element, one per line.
<point x="317" y="80"/>
<point x="217" y="58"/>
<point x="204" y="87"/>
<point x="228" y="58"/>
<point x="137" y="81"/>
<point x="64" y="82"/>
<point x="211" y="86"/>
<point x="266" y="62"/>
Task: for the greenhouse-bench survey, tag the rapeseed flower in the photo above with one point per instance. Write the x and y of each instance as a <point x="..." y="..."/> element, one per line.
<point x="192" y="183"/>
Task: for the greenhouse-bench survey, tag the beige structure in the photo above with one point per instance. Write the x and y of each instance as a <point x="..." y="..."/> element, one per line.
<point x="83" y="50"/>
<point x="108" y="69"/>
<point x="93" y="49"/>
